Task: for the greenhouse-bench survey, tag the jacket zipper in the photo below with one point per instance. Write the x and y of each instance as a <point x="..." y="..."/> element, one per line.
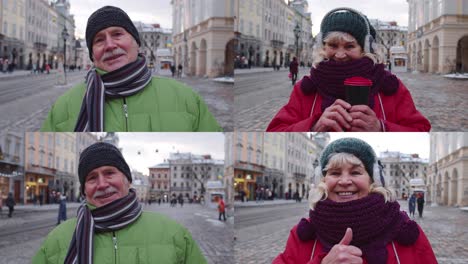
<point x="125" y="109"/>
<point x="114" y="239"/>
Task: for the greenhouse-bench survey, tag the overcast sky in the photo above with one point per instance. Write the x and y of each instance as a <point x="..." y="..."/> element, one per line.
<point x="408" y="143"/>
<point x="160" y="11"/>
<point x="154" y="148"/>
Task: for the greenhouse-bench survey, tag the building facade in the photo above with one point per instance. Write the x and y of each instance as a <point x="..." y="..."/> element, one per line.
<point x="66" y="178"/>
<point x="154" y="40"/>
<point x="448" y="177"/>
<point x="190" y="173"/>
<point x="12" y="31"/>
<point x="141" y="185"/>
<point x="400" y="168"/>
<point x="12" y="165"/>
<point x="388" y="35"/>
<point x="159" y="182"/>
<point x="203" y="36"/>
<point x="267" y="34"/>
<point x="438" y="35"/>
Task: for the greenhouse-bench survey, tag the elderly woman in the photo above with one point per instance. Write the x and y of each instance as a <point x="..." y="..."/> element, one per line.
<point x="354" y="218"/>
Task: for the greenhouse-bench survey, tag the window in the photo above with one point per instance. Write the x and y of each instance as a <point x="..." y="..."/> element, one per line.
<point x="175" y="184"/>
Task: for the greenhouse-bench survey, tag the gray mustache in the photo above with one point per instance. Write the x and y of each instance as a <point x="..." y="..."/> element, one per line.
<point x="109" y="189"/>
<point x="115" y="52"/>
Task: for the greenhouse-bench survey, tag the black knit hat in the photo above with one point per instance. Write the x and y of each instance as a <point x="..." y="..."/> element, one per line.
<point x="357" y="147"/>
<point x="108" y="16"/>
<point x="98" y="155"/>
<point x="349" y="22"/>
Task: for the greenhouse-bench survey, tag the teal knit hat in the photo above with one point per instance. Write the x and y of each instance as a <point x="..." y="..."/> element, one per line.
<point x="349" y="22"/>
<point x="357" y="147"/>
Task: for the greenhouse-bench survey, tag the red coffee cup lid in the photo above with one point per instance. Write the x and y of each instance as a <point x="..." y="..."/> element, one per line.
<point x="358" y="81"/>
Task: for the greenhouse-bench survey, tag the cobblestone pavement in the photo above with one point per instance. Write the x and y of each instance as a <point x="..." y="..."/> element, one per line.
<point x="262" y="231"/>
<point x="214" y="237"/>
<point x="26" y="100"/>
<point x="259" y="96"/>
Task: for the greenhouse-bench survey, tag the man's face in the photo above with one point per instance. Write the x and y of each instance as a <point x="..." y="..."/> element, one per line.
<point x="104" y="185"/>
<point x="113" y="48"/>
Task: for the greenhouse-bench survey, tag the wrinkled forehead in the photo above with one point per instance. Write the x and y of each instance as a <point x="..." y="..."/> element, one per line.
<point x="110" y="30"/>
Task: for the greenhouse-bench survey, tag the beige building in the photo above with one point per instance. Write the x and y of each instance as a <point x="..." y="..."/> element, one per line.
<point x="11" y="165"/>
<point x="244" y="165"/>
<point x="66" y="178"/>
<point x="438" y="35"/>
<point x="266" y="32"/>
<point x="302" y="153"/>
<point x="159" y="182"/>
<point x="39" y="167"/>
<point x="448" y="177"/>
<point x="203" y="36"/>
<point x="400" y="168"/>
<point x="273" y="160"/>
<point x="141" y="186"/>
<point x="12" y="31"/>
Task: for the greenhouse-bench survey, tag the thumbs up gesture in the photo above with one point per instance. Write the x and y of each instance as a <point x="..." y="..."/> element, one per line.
<point x="343" y="252"/>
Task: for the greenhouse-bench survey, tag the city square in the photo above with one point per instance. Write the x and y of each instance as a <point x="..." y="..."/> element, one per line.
<point x="262" y="230"/>
<point x="261" y="92"/>
<point x="23" y="234"/>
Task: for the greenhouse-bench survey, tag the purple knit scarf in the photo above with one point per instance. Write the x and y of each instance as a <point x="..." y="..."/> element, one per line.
<point x="374" y="222"/>
<point x="328" y="77"/>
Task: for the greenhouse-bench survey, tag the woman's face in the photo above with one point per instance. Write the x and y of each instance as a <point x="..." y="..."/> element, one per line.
<point x="343" y="49"/>
<point x="347" y="183"/>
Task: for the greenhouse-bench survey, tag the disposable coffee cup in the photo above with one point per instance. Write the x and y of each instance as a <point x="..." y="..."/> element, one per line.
<point x="357" y="90"/>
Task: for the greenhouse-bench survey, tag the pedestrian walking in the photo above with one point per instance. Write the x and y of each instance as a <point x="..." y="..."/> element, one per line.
<point x="294" y="69"/>
<point x="62" y="212"/>
<point x="179" y="71"/>
<point x="172" y="68"/>
<point x="353" y="216"/>
<point x="181" y="200"/>
<point x="412" y="204"/>
<point x="111" y="224"/>
<point x="420" y="201"/>
<point x="10" y="203"/>
<point x="120" y="94"/>
<point x="221" y="209"/>
<point x="348" y="88"/>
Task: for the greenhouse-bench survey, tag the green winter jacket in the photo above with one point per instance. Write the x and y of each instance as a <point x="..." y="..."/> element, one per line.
<point x="163" y="105"/>
<point x="153" y="238"/>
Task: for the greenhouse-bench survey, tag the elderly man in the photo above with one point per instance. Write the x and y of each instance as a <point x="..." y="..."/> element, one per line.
<point x="119" y="93"/>
<point x="111" y="226"/>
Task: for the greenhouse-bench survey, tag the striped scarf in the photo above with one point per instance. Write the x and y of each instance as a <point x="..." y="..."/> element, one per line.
<point x="123" y="82"/>
<point x="110" y="217"/>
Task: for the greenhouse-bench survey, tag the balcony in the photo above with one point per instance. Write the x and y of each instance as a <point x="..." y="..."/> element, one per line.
<point x="299" y="176"/>
<point x="277" y="44"/>
<point x="34" y="168"/>
<point x="181" y="189"/>
<point x="39" y="46"/>
<point x="242" y="165"/>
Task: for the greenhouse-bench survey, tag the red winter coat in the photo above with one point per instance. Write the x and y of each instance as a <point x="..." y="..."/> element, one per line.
<point x="298" y="252"/>
<point x="400" y="112"/>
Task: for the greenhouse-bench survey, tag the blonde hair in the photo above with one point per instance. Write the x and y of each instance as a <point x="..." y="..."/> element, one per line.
<point x="318" y="52"/>
<point x="337" y="160"/>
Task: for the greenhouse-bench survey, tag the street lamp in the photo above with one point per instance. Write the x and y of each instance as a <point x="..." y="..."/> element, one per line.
<point x="65" y="36"/>
<point x="297" y="32"/>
